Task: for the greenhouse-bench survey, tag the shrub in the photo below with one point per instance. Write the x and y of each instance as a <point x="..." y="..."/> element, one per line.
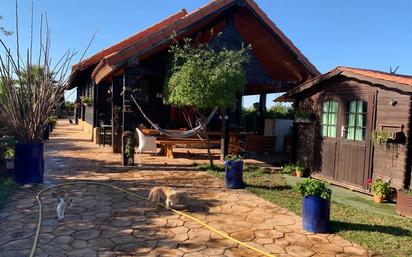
<point x="290" y="168"/>
<point x="233" y="157"/>
<point x="280" y="111"/>
<point x="312" y="187"/>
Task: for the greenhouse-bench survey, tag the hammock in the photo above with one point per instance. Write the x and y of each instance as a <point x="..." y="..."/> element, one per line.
<point x="184" y="134"/>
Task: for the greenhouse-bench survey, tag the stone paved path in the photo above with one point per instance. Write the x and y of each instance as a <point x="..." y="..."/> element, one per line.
<point x="104" y="222"/>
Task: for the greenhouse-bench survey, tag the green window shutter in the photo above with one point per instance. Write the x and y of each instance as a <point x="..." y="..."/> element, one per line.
<point x="356" y="120"/>
<point x="329" y="118"/>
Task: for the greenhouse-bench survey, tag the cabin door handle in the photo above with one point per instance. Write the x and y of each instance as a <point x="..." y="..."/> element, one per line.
<point x="342" y="131"/>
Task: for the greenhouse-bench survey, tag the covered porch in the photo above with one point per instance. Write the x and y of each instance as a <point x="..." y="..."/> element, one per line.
<point x="138" y="66"/>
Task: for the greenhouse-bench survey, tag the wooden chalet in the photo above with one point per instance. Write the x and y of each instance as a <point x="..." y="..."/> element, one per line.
<point x="349" y="105"/>
<point x="139" y="64"/>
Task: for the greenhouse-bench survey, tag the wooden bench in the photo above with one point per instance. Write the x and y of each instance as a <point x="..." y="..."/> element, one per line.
<point x="258" y="144"/>
<point x="166" y="145"/>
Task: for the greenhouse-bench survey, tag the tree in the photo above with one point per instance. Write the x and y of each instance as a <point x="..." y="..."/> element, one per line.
<point x="30" y="91"/>
<point x="202" y="78"/>
<point x="3" y="30"/>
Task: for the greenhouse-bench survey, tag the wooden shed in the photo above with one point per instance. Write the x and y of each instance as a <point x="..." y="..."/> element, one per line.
<point x="351" y="111"/>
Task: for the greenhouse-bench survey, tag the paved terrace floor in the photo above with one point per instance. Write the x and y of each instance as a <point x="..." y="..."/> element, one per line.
<point x="104" y="222"/>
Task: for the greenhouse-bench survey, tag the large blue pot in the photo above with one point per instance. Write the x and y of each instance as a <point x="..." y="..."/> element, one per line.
<point x="315" y="214"/>
<point x="234" y="174"/>
<point x="29" y="163"/>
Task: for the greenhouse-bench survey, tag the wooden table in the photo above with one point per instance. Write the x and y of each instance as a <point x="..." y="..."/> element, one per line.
<point x="155" y="132"/>
<point x="166" y="146"/>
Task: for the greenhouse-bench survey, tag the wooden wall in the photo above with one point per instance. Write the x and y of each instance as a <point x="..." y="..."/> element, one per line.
<point x="393" y="162"/>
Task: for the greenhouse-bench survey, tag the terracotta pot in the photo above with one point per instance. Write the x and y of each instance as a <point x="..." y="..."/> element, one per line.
<point x="378" y="198"/>
<point x="404" y="204"/>
<point x="298" y="173"/>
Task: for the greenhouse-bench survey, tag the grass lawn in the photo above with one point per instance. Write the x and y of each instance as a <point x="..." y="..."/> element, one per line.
<point x="389" y="234"/>
<point x="6" y="186"/>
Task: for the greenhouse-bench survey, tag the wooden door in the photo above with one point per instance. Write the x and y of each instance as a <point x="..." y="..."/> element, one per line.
<point x="329" y="136"/>
<point x="345" y="144"/>
<point x="354" y="144"/>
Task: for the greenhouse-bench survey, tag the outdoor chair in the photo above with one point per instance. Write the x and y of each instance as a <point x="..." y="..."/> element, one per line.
<point x="105" y="134"/>
<point x="146" y="144"/>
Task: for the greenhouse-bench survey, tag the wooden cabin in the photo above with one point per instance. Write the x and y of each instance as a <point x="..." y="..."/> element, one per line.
<point x="139" y="63"/>
<point x="360" y="126"/>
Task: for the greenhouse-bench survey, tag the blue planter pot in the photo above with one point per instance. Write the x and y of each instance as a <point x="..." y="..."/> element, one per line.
<point x="29" y="163"/>
<point x="315" y="214"/>
<point x="234" y="174"/>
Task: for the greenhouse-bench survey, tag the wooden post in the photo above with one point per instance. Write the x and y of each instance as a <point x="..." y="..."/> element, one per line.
<point x="127" y="114"/>
<point x="117" y="114"/>
<point x="224" y="141"/>
<point x="95" y="104"/>
<point x="261" y="114"/>
<point x="127" y="101"/>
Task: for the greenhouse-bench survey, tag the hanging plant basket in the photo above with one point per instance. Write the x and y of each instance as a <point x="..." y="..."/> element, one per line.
<point x="87" y="101"/>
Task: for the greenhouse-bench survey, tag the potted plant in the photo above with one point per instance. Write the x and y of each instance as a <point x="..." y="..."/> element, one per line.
<point x="380" y="137"/>
<point x="380" y="190"/>
<point x="298" y="169"/>
<point x="315" y="205"/>
<point x="234" y="172"/>
<point x="29" y="93"/>
<point x="404" y="203"/>
<point x="128" y="148"/>
<point x="86" y="100"/>
<point x="52" y="123"/>
<point x="9" y="158"/>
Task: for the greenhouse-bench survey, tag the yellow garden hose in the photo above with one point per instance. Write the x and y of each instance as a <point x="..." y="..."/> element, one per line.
<point x="212" y="229"/>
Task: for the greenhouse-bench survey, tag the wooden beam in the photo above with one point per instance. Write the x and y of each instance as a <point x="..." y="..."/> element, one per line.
<point x="261" y="115"/>
<point x="276" y="87"/>
<point x="127" y="101"/>
<point x="224" y="141"/>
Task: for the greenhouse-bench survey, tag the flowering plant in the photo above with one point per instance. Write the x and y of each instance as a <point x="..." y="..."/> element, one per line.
<point x="380" y="187"/>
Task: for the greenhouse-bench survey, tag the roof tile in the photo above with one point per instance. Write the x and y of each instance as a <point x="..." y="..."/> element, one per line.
<point x="403" y="79"/>
<point x="138" y="42"/>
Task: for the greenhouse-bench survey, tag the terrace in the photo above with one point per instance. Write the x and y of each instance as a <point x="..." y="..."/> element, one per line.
<point x="102" y="222"/>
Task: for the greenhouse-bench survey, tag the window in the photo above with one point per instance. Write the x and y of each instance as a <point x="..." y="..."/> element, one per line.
<point x="329" y="118"/>
<point x="356" y="120"/>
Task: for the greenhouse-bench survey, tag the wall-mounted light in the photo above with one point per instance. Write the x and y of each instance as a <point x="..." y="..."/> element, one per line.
<point x="393" y="102"/>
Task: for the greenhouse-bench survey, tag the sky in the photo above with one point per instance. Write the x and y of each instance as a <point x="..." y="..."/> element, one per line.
<point x="371" y="34"/>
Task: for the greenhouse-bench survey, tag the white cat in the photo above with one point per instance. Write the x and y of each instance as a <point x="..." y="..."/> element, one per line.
<point x="63" y="202"/>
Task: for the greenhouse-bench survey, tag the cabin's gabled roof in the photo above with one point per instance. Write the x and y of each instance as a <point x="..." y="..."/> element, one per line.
<point x="96" y="58"/>
<point x="141" y="45"/>
<point x="399" y="81"/>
